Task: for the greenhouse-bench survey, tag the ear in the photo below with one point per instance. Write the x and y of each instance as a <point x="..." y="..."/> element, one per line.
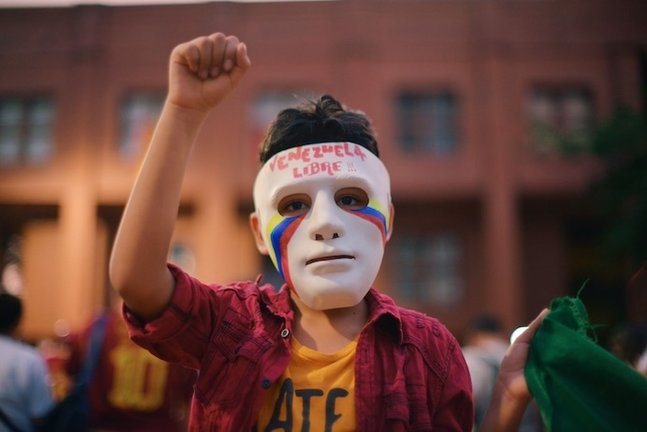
<point x="254" y="224"/>
<point x="389" y="230"/>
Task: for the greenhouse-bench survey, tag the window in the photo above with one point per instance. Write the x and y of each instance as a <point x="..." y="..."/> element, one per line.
<point x="428" y="268"/>
<point x="427" y="122"/>
<point x="26" y="130"/>
<point x="560" y="117"/>
<point x="139" y="113"/>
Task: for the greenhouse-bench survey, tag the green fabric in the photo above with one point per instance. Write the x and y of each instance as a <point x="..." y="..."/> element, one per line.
<point x="578" y="385"/>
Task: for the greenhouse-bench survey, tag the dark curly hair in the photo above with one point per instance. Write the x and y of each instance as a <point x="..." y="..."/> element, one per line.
<point x="322" y="120"/>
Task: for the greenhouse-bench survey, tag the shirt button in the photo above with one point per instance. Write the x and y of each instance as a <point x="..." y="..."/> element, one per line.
<point x="285" y="333"/>
<point x="266" y="383"/>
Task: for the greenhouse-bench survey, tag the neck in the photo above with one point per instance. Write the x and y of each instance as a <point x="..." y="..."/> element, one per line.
<point x="328" y="331"/>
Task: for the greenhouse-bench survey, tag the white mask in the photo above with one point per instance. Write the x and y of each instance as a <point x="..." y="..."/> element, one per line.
<point x="324" y="215"/>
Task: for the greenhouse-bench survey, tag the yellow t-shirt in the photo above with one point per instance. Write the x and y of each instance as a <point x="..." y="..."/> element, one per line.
<point x="316" y="393"/>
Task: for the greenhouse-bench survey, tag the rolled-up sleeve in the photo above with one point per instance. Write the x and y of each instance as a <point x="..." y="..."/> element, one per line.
<point x="181" y="334"/>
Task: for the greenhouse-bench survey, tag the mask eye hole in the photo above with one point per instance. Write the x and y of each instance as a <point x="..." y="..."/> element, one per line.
<point x="294" y="205"/>
<point x="351" y="198"/>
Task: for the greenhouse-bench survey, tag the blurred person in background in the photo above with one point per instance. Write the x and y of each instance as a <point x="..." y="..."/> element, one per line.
<point x="629" y="344"/>
<point x="25" y="390"/>
<point x="484" y="345"/>
<point x="130" y="389"/>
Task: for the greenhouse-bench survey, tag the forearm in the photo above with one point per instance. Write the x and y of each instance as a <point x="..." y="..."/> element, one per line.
<point x="138" y="263"/>
<point x="201" y="72"/>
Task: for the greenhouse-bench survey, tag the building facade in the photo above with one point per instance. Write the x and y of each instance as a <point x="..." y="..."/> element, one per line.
<point x="467" y="98"/>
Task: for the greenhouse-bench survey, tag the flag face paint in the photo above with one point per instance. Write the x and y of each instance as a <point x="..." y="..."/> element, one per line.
<point x="377" y="215"/>
<point x="279" y="235"/>
<point x="328" y="240"/>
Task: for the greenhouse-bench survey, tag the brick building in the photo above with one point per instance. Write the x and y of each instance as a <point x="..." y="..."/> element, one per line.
<point x="465" y="97"/>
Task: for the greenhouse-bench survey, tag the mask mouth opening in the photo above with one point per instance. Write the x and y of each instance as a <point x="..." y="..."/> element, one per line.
<point x="329" y="258"/>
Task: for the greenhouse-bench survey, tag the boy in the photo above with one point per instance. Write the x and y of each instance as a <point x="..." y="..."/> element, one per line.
<point x="326" y="352"/>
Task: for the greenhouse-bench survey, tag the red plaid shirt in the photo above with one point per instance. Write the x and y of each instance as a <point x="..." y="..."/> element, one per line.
<point x="409" y="370"/>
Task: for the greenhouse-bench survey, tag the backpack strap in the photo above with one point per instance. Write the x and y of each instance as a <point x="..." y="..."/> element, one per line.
<point x="91" y="359"/>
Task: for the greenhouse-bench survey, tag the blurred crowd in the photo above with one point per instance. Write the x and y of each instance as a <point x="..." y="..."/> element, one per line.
<point x="129" y="388"/>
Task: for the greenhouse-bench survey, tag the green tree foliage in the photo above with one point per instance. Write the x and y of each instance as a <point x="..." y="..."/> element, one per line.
<point x="620" y="193"/>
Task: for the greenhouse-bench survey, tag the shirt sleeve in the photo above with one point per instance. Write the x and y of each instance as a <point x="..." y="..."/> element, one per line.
<point x="181" y="334"/>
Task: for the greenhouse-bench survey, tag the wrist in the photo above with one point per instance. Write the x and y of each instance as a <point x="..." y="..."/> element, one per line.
<point x="513" y="401"/>
<point x="184" y="114"/>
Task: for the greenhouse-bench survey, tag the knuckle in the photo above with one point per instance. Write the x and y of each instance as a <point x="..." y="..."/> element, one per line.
<point x="217" y="37"/>
<point x="203" y="42"/>
<point x="232" y="40"/>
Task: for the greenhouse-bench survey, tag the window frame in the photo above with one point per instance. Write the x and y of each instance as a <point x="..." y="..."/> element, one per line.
<point x="138" y="140"/>
<point x="413" y="106"/>
<point x="420" y="280"/>
<point x="34" y="139"/>
<point x="555" y="135"/>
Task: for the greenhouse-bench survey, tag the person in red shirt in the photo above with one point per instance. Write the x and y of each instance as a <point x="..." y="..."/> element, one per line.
<point x="326" y="352"/>
<point x="130" y="389"/>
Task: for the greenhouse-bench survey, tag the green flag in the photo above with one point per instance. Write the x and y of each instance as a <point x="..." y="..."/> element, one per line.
<point x="578" y="385"/>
